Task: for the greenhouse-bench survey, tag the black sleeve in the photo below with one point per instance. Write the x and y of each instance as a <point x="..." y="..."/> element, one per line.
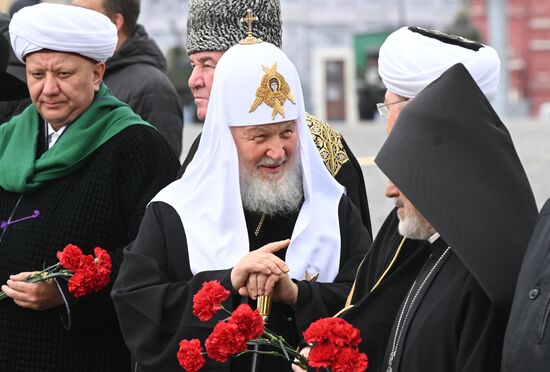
<point x="153" y="293"/>
<point x="319" y="300"/>
<point x="190" y="155"/>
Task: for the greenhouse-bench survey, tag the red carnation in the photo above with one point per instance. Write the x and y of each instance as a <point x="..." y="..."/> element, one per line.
<point x="249" y="323"/>
<point x="207" y="301"/>
<point x="70" y="258"/>
<point x="350" y="360"/>
<point x="224" y="341"/>
<point x="335" y="330"/>
<point x="92" y="275"/>
<point x="190" y="355"/>
<point x="322" y="355"/>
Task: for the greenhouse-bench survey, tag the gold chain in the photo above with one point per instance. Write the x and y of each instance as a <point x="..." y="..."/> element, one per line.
<point x="260" y="224"/>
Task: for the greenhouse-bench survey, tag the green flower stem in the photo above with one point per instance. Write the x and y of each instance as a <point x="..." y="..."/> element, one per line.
<point x="278" y="342"/>
<point x="54" y="271"/>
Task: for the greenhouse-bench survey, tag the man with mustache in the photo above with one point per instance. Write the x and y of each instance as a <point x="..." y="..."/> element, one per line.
<point x="77" y="166"/>
<point x="212" y="28"/>
<point x="256" y="207"/>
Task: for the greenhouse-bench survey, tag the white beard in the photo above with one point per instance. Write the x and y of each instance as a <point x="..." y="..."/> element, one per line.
<point x="272" y="197"/>
<point x="415" y="226"/>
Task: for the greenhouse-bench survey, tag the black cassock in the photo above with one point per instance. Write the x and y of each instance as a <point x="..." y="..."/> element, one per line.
<point x="373" y="310"/>
<point x="448" y="323"/>
<point x="452" y="325"/>
<point x="154" y="289"/>
<point x="460" y="170"/>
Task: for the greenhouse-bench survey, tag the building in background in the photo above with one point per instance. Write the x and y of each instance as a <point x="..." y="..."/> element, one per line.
<point x="324" y="38"/>
<point x="528" y="56"/>
<point x="334" y="44"/>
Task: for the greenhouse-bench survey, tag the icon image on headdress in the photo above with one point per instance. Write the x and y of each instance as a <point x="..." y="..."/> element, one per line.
<point x="274" y="91"/>
<point x="274" y="84"/>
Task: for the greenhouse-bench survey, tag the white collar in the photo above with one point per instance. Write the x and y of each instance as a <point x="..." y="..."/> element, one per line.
<point x="434" y="237"/>
<point x="54" y="135"/>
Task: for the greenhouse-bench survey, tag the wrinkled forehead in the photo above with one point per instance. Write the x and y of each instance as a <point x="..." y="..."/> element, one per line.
<point x="265" y="128"/>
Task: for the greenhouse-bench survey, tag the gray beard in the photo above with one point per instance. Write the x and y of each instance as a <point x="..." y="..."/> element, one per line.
<point x="415" y="226"/>
<point x="272" y="197"/>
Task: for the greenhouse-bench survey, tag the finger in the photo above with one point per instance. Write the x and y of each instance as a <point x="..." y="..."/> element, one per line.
<point x="275" y="246"/>
<point x="270" y="283"/>
<point x="243" y="292"/>
<point x="280" y="265"/>
<point x="252" y="286"/>
<point x="295" y="368"/>
<point x="20" y="286"/>
<point x="21" y="276"/>
<point x="7" y="290"/>
<point x="261" y="280"/>
<point x="14" y="294"/>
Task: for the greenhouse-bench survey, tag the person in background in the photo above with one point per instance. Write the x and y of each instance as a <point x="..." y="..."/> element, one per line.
<point x="136" y="73"/>
<point x="12" y="87"/>
<point x="14" y="95"/>
<point x="76" y="166"/>
<point x="215" y="26"/>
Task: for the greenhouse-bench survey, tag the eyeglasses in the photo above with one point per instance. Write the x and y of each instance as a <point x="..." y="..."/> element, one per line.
<point x="383" y="109"/>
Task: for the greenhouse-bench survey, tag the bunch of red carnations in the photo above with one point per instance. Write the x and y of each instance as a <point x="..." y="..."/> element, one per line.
<point x="84" y="272"/>
<point x="334" y="341"/>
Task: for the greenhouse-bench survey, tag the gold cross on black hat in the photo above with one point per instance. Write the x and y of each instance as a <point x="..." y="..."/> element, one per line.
<point x="249" y="18"/>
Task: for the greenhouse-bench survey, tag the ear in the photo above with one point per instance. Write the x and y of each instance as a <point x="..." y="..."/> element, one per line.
<point x="118" y="20"/>
<point x="97" y="75"/>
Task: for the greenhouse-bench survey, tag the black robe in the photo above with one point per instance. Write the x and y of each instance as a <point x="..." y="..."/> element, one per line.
<point x="153" y="292"/>
<point x="454" y="328"/>
<point x="527" y="340"/>
<point x="100" y="204"/>
<point x="337" y="157"/>
<point x="374" y="312"/>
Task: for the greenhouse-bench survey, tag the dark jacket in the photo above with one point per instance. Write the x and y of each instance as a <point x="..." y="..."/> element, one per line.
<point x="527" y="340"/>
<point x="100" y="204"/>
<point x="136" y="75"/>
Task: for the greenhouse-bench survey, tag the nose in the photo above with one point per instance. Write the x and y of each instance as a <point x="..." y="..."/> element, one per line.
<point x="50" y="86"/>
<point x="391" y="190"/>
<point x="196" y="80"/>
<point x="276" y="150"/>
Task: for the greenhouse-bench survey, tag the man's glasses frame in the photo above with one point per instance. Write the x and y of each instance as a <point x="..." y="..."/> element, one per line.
<point x="383" y="108"/>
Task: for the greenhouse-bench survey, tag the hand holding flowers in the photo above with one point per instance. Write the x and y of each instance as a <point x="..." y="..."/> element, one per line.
<point x="84" y="273"/>
<point x="335" y="342"/>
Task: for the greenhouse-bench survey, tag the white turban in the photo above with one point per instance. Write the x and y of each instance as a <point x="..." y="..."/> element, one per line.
<point x="409" y="61"/>
<point x="62" y="28"/>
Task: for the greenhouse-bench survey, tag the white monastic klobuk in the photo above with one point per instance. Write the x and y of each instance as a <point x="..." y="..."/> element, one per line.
<point x="207" y="197"/>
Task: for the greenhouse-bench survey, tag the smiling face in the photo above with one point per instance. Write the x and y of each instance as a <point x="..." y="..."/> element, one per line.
<point x="200" y="81"/>
<point x="411" y="223"/>
<point x="267" y="151"/>
<point x="62" y="85"/>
